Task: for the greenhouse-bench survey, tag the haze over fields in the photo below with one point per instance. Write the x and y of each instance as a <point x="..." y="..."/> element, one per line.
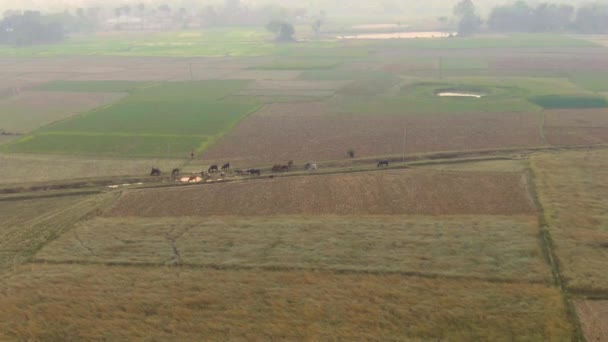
<point x="303" y="170"/>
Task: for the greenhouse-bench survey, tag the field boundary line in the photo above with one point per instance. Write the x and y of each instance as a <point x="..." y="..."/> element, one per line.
<point x="279" y="268"/>
<point x="551" y="257"/>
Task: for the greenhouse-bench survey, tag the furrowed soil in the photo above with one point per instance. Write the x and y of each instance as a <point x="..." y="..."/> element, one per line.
<point x="131" y="303"/>
<point x="573" y="188"/>
<point x="576" y="127"/>
<point x="375" y="193"/>
<point x="449" y="246"/>
<point x="307" y="131"/>
<point x="593" y="316"/>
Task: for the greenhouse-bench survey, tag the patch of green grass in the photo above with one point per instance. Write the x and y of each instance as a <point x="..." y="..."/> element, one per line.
<point x="596" y="81"/>
<point x="481" y="41"/>
<point x="419" y="96"/>
<point x="569" y="102"/>
<point x="464" y="64"/>
<point x="93" y="86"/>
<point x="210" y="43"/>
<point x="185" y="115"/>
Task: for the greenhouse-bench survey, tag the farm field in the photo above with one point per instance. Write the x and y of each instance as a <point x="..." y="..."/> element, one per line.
<point x="28" y="111"/>
<point x="489" y="224"/>
<point x="447" y="246"/>
<point x="163" y="120"/>
<point x="378" y="193"/>
<point x="142" y="303"/>
<point x="32" y="168"/>
<point x="572" y="189"/>
<point x="309" y="131"/>
<point x="594" y="319"/>
<point x="576" y="127"/>
<point x="27" y="224"/>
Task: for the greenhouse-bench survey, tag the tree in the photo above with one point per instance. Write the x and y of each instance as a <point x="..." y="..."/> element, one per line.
<point x="142" y="13"/>
<point x="316" y="27"/>
<point x="469" y="21"/>
<point x="592" y="18"/>
<point x="282" y="29"/>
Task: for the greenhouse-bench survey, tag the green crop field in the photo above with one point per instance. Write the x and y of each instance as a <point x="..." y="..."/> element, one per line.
<point x="420" y="96"/>
<point x="568" y="102"/>
<point x="170" y="119"/>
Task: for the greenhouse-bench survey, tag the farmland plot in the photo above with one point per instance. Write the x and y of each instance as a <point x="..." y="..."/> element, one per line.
<point x="170" y="119"/>
<point x="26" y="168"/>
<point x="573" y="189"/>
<point x="132" y="303"/>
<point x="576" y="127"/>
<point x="30" y="110"/>
<point x="373" y="193"/>
<point x="29" y="223"/>
<point x="309" y="131"/>
<point x="594" y="319"/>
<point x="449" y="246"/>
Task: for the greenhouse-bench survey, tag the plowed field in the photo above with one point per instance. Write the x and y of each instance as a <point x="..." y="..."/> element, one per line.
<point x="576" y="127"/>
<point x="594" y="319"/>
<point x="377" y="193"/>
<point x="307" y="131"/>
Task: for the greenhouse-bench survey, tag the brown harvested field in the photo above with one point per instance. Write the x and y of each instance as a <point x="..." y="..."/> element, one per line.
<point x="33" y="109"/>
<point x="573" y="188"/>
<point x="131" y="303"/>
<point x="373" y="193"/>
<point x="581" y="118"/>
<point x="292" y="88"/>
<point x="28" y="168"/>
<point x="449" y="246"/>
<point x="307" y="131"/>
<point x="571" y="62"/>
<point x="575" y="136"/>
<point x="576" y="127"/>
<point x="593" y="315"/>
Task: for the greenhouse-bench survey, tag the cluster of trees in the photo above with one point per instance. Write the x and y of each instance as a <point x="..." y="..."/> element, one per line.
<point x="545" y="17"/>
<point x="548" y="17"/>
<point x="31" y="27"/>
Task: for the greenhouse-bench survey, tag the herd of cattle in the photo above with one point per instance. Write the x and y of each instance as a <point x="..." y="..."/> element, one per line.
<point x="205" y="175"/>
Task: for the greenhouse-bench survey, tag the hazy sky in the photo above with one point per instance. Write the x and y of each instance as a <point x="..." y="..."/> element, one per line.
<point x="415" y="5"/>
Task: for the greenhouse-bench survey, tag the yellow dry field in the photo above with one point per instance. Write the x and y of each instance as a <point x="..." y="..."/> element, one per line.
<point x="573" y="189"/>
<point x="373" y="193"/>
<point x="26" y="225"/>
<point x="61" y="302"/>
<point x="450" y="246"/>
<point x="593" y="315"/>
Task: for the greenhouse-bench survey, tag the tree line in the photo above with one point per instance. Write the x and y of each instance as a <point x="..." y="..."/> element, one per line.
<point x="31" y="27"/>
<point x="545" y="17"/>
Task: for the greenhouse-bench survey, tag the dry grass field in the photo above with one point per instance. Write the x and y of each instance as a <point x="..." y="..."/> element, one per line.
<point x="309" y="131"/>
<point x="375" y="193"/>
<point x="132" y="303"/>
<point x="594" y="319"/>
<point x="26" y="168"/>
<point x="573" y="188"/>
<point x="27" y="225"/>
<point x="449" y="246"/>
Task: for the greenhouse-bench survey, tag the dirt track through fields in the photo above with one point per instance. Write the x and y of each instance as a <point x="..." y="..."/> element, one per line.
<point x="378" y="193"/>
